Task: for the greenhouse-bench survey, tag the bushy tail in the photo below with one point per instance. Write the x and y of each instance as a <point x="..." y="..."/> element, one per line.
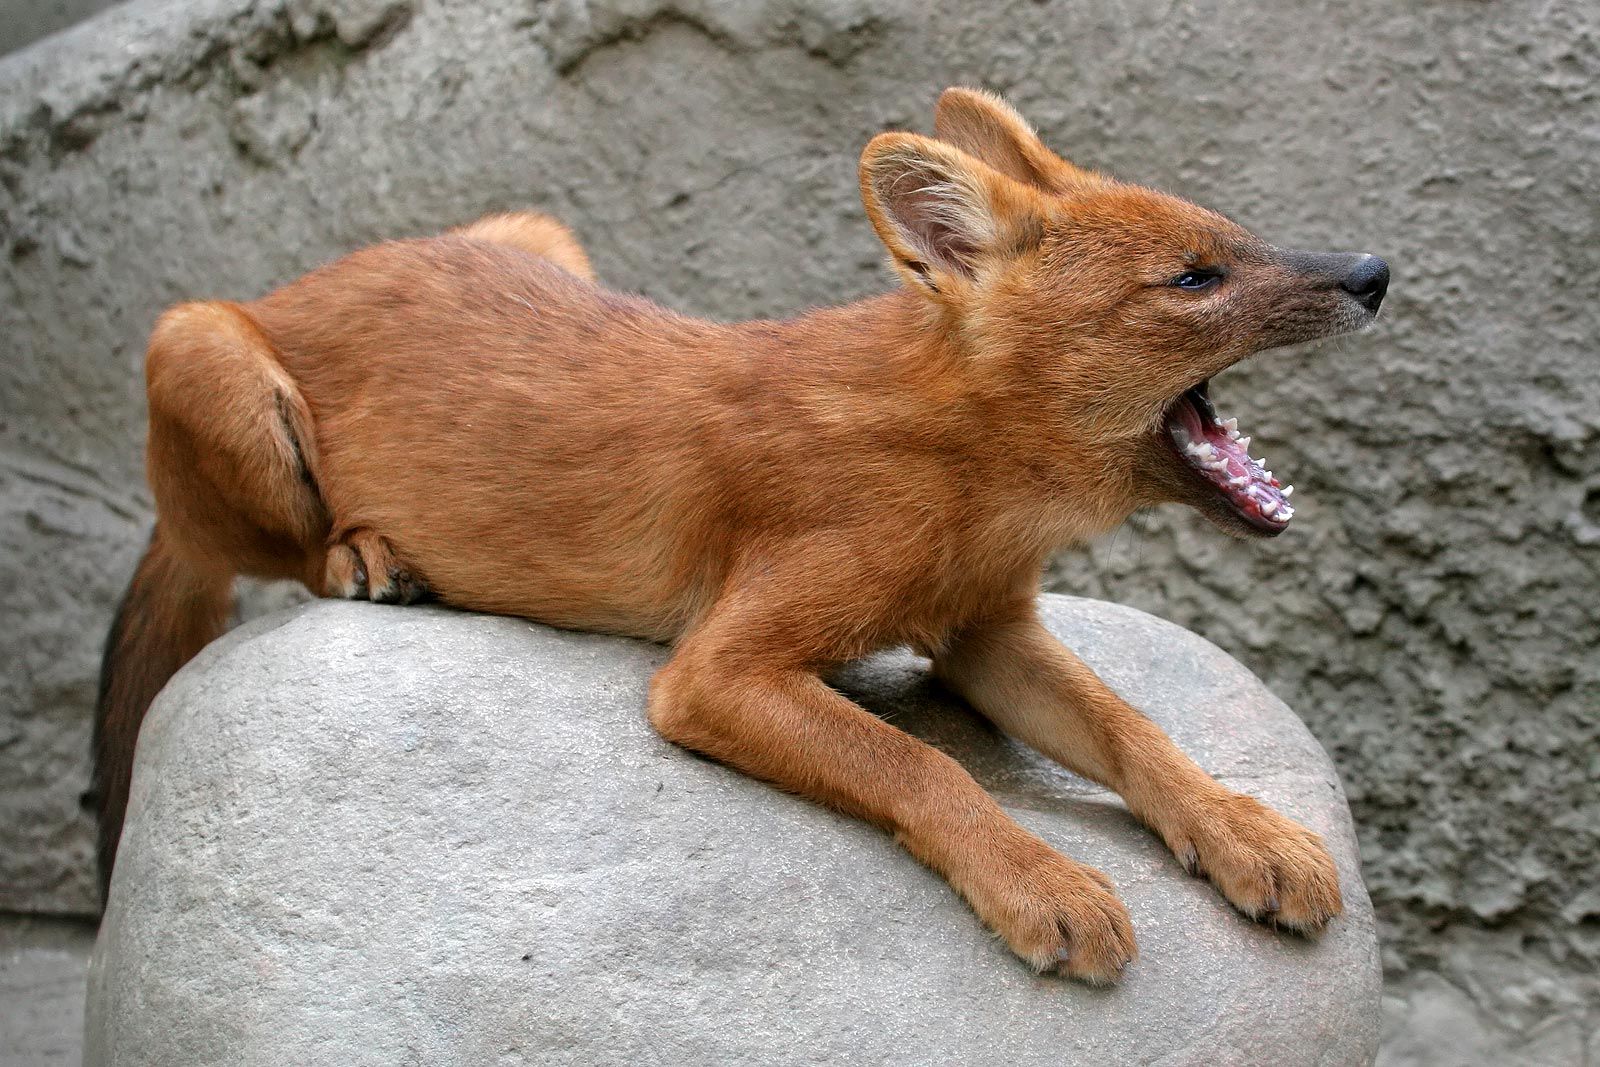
<point x="169" y="613"/>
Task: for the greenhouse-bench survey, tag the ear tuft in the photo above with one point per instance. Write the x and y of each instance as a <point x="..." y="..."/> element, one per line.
<point x="932" y="205"/>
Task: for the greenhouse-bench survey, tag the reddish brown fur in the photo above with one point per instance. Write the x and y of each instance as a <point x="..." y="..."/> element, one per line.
<point x="773" y="497"/>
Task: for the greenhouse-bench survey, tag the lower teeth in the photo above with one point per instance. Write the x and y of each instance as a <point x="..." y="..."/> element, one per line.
<point x="1250" y="486"/>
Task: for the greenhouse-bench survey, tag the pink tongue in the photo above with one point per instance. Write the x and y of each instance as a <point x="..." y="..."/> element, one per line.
<point x="1243" y="479"/>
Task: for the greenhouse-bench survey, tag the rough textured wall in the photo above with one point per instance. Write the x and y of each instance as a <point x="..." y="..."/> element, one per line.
<point x="1433" y="611"/>
<point x="25" y="21"/>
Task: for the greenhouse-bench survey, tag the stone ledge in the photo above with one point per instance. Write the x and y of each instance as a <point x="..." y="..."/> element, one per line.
<point x="42" y="965"/>
<point x="378" y="835"/>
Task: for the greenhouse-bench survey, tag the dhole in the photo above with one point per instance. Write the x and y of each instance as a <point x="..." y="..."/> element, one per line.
<point x="471" y="416"/>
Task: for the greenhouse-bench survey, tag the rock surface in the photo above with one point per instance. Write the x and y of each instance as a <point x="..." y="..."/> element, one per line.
<point x="1433" y="612"/>
<point x="362" y="835"/>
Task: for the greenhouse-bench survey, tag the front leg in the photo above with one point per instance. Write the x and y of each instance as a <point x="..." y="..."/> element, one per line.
<point x="1017" y="674"/>
<point x="781" y="723"/>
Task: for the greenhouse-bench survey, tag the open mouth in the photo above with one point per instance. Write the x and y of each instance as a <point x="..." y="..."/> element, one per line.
<point x="1216" y="451"/>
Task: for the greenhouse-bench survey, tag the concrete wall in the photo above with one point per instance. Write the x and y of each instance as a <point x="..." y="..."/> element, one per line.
<point x="25" y="21"/>
<point x="1433" y="614"/>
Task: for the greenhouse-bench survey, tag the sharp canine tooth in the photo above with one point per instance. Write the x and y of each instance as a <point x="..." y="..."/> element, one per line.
<point x="1244" y="442"/>
<point x="1288" y="491"/>
<point x="1230" y="424"/>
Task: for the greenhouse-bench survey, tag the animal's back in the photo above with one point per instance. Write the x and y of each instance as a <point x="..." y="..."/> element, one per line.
<point x="521" y="436"/>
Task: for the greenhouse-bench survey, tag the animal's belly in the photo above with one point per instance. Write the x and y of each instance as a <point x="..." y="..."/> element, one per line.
<point x="580" y="587"/>
<point x="572" y="544"/>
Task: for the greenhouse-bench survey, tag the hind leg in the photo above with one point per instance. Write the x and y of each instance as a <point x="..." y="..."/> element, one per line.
<point x="230" y="460"/>
<point x="231" y="455"/>
<point x="362" y="565"/>
<point x="233" y="464"/>
<point x="536" y="234"/>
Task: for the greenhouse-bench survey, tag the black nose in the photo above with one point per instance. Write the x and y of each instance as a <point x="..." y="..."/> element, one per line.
<point x="1367" y="281"/>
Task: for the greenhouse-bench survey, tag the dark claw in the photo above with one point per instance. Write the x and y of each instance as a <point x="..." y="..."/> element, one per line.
<point x="360" y="591"/>
<point x="1191" y="861"/>
<point x="404" y="589"/>
<point x="390" y="593"/>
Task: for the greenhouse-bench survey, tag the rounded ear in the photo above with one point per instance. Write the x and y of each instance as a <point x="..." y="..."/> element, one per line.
<point x="985" y="126"/>
<point x="939" y="211"/>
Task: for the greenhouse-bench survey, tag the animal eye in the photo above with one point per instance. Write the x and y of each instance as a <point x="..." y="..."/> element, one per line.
<point x="1196" y="279"/>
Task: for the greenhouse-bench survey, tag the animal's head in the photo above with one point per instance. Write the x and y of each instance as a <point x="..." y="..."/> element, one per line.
<point x="1108" y="306"/>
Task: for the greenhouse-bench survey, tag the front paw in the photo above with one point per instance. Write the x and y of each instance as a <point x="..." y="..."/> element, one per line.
<point x="1059" y="915"/>
<point x="1269" y="867"/>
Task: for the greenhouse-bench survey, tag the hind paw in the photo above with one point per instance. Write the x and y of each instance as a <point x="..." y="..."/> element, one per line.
<point x="363" y="566"/>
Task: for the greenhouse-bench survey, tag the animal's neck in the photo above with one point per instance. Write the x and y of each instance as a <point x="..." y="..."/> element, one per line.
<point x="891" y="373"/>
<point x="892" y="338"/>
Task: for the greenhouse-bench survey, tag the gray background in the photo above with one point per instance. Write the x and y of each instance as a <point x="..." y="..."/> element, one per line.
<point x="1433" y="613"/>
<point x="24" y="21"/>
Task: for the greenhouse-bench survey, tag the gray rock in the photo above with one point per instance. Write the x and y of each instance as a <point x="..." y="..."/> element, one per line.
<point x="364" y="835"/>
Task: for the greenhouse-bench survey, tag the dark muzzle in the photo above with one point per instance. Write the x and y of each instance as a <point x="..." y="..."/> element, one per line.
<point x="1364" y="277"/>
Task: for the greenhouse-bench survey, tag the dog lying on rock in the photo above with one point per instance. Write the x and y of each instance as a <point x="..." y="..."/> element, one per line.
<point x="472" y="417"/>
